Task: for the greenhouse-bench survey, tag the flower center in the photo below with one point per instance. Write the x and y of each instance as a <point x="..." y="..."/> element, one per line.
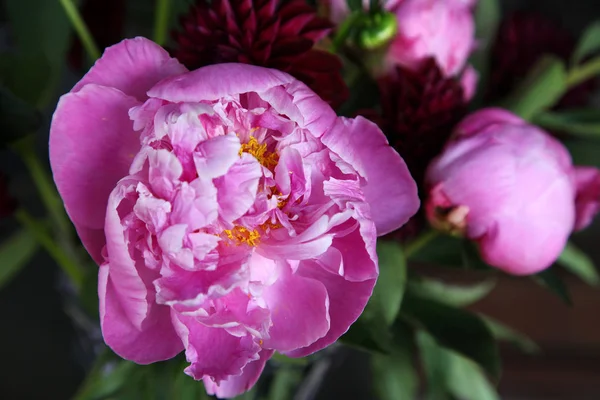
<point x="259" y="151"/>
<point x="241" y="235"/>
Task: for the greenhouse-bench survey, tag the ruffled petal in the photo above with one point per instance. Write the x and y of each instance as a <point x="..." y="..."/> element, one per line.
<point x="390" y="190"/>
<point x="92" y="144"/>
<point x="236" y="385"/>
<point x="299" y="311"/>
<point x="213" y="351"/>
<point x="214" y="82"/>
<point x="347" y="301"/>
<point x="133" y="66"/>
<point x="156" y="341"/>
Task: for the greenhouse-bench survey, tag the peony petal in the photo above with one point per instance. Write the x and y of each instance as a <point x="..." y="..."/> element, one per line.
<point x="133" y="66"/>
<point x="157" y="341"/>
<point x="587" y="202"/>
<point x="92" y="144"/>
<point x="236" y="191"/>
<point x="237" y="385"/>
<point x="128" y="284"/>
<point x="347" y="301"/>
<point x="214" y="82"/>
<point x="213" y="351"/>
<point x="299" y="311"/>
<point x="390" y="190"/>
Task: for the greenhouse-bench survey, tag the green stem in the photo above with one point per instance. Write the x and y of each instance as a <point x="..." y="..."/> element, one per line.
<point x="584" y="72"/>
<point x="41" y="234"/>
<point x="50" y="198"/>
<point x="284" y="382"/>
<point x="344" y="31"/>
<point x="413" y="247"/>
<point x="161" y="21"/>
<point x="81" y="29"/>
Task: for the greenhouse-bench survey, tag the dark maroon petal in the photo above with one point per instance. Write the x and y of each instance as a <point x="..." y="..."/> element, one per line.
<point x="271" y="33"/>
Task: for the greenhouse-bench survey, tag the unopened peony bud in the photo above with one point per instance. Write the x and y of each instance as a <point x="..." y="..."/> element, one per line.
<point x="512" y="188"/>
<point x="377" y="30"/>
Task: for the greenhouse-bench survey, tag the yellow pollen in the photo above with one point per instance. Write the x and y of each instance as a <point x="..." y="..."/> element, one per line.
<point x="259" y="151"/>
<point x="240" y="235"/>
<point x="260" y="342"/>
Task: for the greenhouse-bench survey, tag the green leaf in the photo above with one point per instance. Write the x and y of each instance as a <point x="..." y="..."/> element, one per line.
<point x="450" y="294"/>
<point x="467" y="381"/>
<point x="369" y="335"/>
<point x="391" y="283"/>
<point x="578" y="263"/>
<point x="354" y="5"/>
<point x="15" y="253"/>
<point x="394" y="376"/>
<point x="542" y="88"/>
<point x="584" y="123"/>
<point x="588" y="44"/>
<point x="455" y="329"/>
<point x="42" y="31"/>
<point x="286" y="379"/>
<point x="285" y="360"/>
<point x="505" y="333"/>
<point x="107" y="377"/>
<point x="441" y="250"/>
<point x="447" y="251"/>
<point x="550" y="280"/>
<point x="487" y="19"/>
<point x="436" y="362"/>
<point x="584" y="152"/>
<point x="17" y="118"/>
<point x="448" y="372"/>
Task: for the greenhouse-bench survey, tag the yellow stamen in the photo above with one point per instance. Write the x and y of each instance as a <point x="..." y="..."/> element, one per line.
<point x="240" y="235"/>
<point x="259" y="151"/>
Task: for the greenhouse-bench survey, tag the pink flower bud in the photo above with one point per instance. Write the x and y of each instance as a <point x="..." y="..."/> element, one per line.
<point x="512" y="188"/>
<point x="444" y="30"/>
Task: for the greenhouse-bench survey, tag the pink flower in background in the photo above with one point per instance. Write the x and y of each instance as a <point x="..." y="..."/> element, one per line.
<point x="444" y="30"/>
<point x="440" y="29"/>
<point x="512" y="188"/>
<point x="232" y="212"/>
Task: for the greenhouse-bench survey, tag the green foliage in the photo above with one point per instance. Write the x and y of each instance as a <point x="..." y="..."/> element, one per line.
<point x="505" y="333"/>
<point x="583" y="123"/>
<point x="354" y="5"/>
<point x="17" y="118"/>
<point x="41" y="30"/>
<point x="588" y="44"/>
<point x="371" y="331"/>
<point x="450" y="374"/>
<point x="394" y="375"/>
<point x="542" y="88"/>
<point x="117" y="379"/>
<point x="15" y="253"/>
<point x="487" y="19"/>
<point x="578" y="263"/>
<point x="455" y="329"/>
<point x="550" y="280"/>
<point x="450" y="294"/>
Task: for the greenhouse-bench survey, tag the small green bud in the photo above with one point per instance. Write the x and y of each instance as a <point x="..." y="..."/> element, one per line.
<point x="377" y="30"/>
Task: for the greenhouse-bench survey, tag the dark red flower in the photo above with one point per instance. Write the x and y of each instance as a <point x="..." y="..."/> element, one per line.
<point x="8" y="204"/>
<point x="524" y="37"/>
<point x="271" y="33"/>
<point x="419" y="110"/>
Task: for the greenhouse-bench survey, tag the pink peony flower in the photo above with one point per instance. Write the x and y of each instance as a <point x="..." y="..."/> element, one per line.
<point x="231" y="212"/>
<point x="444" y="30"/>
<point x="512" y="188"/>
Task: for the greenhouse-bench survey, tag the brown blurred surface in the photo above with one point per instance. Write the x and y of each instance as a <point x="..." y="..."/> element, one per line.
<point x="569" y="364"/>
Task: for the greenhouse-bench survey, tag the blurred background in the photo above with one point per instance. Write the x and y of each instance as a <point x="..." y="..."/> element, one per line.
<point x="44" y="354"/>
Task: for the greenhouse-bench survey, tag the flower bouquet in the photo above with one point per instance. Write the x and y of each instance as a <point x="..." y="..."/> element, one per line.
<point x="263" y="182"/>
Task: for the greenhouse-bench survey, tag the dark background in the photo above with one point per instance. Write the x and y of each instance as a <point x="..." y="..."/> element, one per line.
<point x="42" y="353"/>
